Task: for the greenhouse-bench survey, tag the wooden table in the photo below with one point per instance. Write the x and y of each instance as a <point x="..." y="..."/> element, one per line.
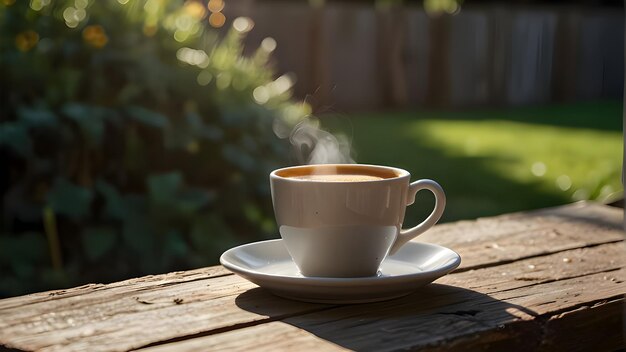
<point x="552" y="279"/>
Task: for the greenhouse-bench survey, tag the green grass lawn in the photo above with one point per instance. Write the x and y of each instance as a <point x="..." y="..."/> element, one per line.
<point x="496" y="161"/>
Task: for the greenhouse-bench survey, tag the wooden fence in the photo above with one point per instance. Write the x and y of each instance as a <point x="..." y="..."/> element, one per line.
<point x="350" y="56"/>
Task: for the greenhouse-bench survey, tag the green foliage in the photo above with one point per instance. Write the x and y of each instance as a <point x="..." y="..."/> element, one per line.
<point x="97" y="241"/>
<point x="137" y="126"/>
<point x="70" y="200"/>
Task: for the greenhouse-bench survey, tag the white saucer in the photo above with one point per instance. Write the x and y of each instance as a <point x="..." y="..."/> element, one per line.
<point x="269" y="265"/>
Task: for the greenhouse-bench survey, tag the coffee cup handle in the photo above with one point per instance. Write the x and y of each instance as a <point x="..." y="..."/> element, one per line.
<point x="440" y="203"/>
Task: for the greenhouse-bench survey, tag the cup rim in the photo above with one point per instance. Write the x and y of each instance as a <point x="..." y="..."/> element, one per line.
<point x="401" y="173"/>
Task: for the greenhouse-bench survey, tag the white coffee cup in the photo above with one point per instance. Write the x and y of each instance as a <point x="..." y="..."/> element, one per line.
<point x="342" y="220"/>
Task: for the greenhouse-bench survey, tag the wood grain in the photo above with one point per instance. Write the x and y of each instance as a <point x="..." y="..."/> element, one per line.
<point x="131" y="319"/>
<point x="77" y="324"/>
<point x="509" y="237"/>
<point x="552" y="267"/>
<point x="274" y="336"/>
<point x="450" y="317"/>
<point x="519" y="271"/>
<point x="136" y="284"/>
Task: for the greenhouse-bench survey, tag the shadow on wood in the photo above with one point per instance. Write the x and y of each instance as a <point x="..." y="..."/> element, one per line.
<point x="421" y="319"/>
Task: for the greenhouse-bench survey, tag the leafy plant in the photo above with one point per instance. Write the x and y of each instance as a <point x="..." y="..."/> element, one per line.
<point x="136" y="140"/>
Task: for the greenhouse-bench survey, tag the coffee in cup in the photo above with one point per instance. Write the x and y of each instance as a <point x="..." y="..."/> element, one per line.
<point x="342" y="220"/>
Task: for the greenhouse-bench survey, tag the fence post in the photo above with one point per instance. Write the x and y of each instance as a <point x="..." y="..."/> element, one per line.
<point x="438" y="78"/>
<point x="391" y="31"/>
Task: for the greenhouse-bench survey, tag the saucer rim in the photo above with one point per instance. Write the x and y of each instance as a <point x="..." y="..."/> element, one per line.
<point x="342" y="281"/>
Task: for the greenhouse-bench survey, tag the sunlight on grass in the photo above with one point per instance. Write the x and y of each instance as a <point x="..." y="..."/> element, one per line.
<point x="498" y="161"/>
<point x="586" y="163"/>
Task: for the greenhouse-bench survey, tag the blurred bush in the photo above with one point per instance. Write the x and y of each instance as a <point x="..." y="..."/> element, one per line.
<point x="133" y="138"/>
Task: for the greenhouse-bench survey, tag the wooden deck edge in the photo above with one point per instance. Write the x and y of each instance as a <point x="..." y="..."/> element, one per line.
<point x="505" y="336"/>
<point x="597" y="325"/>
<point x="557" y="330"/>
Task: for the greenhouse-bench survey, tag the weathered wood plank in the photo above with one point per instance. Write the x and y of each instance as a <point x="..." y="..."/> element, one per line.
<point x="78" y="310"/>
<point x="460" y="320"/>
<point x="586" y="328"/>
<point x="77" y="323"/>
<point x="132" y="319"/>
<point x="136" y="284"/>
<point x="281" y="337"/>
<point x="509" y="237"/>
<point x="578" y="217"/>
<point x="532" y="271"/>
<point x="600" y="325"/>
<point x="145" y="311"/>
<point x="508" y="248"/>
<point x="456" y="313"/>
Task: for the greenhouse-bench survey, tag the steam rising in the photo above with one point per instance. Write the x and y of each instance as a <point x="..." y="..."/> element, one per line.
<point x="313" y="145"/>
